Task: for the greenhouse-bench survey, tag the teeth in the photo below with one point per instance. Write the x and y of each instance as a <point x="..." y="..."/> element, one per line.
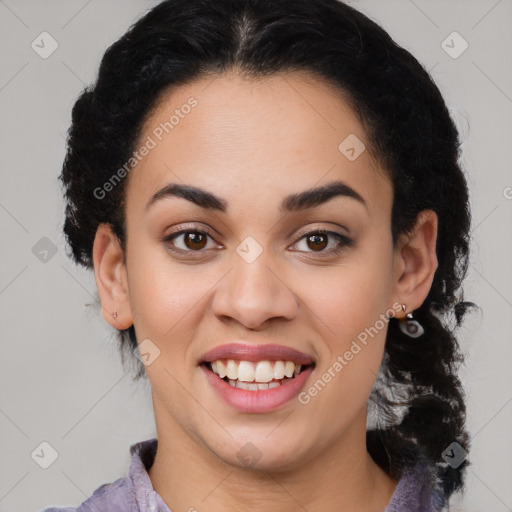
<point x="245" y="371"/>
<point x="232" y="369"/>
<point x="262" y="372"/>
<point x="289" y="368"/>
<point x="221" y="369"/>
<point x="249" y="386"/>
<point x="279" y="370"/>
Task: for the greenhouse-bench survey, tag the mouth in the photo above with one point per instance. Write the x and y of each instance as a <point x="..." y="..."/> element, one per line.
<point x="256" y="376"/>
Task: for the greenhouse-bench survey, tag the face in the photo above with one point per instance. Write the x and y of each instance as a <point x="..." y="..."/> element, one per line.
<point x="250" y="266"/>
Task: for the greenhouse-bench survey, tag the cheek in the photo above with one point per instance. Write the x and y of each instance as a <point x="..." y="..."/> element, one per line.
<point x="354" y="326"/>
<point x="351" y="297"/>
<point x="164" y="298"/>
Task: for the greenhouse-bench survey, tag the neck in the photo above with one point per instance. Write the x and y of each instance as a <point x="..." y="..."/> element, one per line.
<point x="190" y="477"/>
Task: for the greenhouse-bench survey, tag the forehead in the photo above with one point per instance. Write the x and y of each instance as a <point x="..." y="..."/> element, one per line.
<point x="272" y="136"/>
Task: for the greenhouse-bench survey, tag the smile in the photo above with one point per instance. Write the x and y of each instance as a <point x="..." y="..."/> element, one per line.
<point x="256" y="378"/>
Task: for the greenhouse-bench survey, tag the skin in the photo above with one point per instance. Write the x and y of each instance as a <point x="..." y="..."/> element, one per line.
<point x="253" y="142"/>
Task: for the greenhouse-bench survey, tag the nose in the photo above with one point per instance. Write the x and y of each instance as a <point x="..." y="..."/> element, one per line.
<point x="253" y="293"/>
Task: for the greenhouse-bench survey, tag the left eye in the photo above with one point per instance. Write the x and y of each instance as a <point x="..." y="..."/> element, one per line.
<point x="319" y="239"/>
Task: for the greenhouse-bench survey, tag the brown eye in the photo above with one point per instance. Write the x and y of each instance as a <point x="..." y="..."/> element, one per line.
<point x="188" y="241"/>
<point x="317" y="241"/>
<point x="195" y="240"/>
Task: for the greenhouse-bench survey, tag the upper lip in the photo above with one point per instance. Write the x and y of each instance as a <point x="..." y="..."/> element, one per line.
<point x="246" y="352"/>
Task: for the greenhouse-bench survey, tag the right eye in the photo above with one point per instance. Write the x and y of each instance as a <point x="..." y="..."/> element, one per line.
<point x="188" y="241"/>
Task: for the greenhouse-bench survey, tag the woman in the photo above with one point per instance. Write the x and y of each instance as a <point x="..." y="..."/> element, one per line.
<point x="269" y="194"/>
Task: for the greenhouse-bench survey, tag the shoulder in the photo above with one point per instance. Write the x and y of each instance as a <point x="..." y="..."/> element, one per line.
<point x="131" y="493"/>
<point x="114" y="497"/>
<point x="416" y="491"/>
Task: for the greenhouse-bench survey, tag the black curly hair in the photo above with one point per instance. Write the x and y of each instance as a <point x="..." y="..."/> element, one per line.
<point x="410" y="132"/>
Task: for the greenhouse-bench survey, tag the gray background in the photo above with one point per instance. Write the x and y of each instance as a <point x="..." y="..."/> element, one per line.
<point x="61" y="378"/>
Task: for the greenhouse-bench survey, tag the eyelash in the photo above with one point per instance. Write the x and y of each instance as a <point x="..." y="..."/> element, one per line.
<point x="343" y="242"/>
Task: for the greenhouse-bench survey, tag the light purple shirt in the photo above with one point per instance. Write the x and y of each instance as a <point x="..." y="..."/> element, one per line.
<point x="135" y="493"/>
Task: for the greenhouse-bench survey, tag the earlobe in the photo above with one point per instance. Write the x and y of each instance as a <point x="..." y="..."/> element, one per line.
<point x="110" y="276"/>
<point x="416" y="261"/>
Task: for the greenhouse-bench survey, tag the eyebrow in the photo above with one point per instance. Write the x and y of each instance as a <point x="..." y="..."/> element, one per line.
<point x="294" y="202"/>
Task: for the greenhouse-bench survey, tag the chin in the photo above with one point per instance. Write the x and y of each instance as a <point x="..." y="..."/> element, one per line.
<point x="262" y="453"/>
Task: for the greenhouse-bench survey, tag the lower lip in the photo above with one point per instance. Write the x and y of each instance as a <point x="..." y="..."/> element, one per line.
<point x="264" y="400"/>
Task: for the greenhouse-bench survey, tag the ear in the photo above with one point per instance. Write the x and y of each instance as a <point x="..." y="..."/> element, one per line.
<point x="111" y="279"/>
<point x="416" y="261"/>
